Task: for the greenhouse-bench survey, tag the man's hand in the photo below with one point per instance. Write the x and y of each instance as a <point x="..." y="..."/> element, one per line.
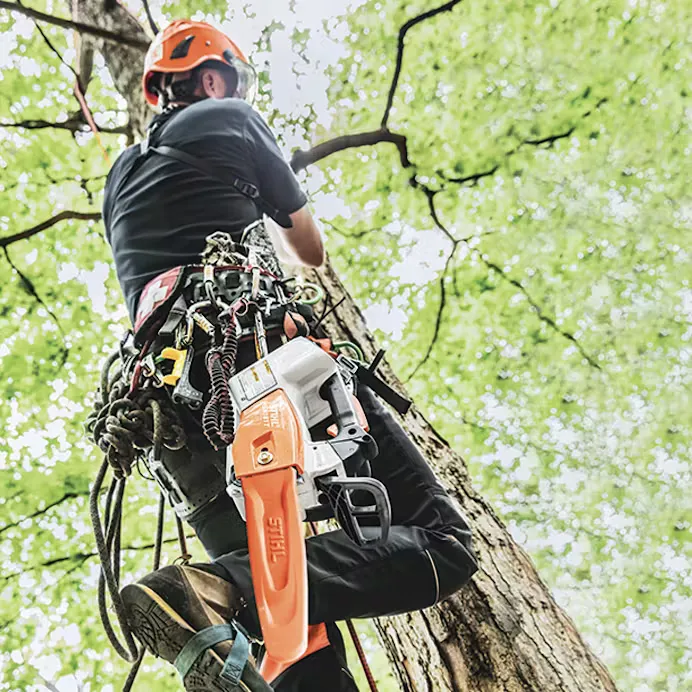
<point x="303" y="240"/>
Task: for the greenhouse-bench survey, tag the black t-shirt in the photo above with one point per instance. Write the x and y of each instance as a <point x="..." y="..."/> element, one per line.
<point x="159" y="218"/>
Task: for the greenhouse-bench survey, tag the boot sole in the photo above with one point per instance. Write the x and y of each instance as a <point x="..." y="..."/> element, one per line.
<point x="164" y="633"/>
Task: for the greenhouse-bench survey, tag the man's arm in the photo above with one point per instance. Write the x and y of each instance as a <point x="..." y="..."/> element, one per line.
<point x="304" y="240"/>
<point x="278" y="185"/>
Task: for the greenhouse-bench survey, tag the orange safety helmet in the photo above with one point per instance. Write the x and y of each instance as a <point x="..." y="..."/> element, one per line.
<point x="184" y="45"/>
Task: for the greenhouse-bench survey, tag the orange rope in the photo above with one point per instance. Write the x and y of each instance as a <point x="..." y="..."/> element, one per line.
<point x="355" y="638"/>
<point x="90" y="119"/>
<point x="79" y="94"/>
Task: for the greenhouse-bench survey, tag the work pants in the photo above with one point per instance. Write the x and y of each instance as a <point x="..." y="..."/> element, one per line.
<point x="427" y="557"/>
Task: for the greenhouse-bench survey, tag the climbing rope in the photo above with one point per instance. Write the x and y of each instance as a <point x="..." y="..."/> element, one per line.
<point x="124" y="424"/>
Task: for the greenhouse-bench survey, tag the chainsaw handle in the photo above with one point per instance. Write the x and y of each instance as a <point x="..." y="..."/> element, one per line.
<point x="349" y="515"/>
<point x="351" y="443"/>
<point x="334" y="391"/>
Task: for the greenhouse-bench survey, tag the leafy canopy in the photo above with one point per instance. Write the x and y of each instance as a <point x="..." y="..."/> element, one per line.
<point x="540" y="309"/>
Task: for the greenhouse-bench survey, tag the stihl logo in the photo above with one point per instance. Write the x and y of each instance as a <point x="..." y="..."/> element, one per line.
<point x="277" y="543"/>
<point x="271" y="415"/>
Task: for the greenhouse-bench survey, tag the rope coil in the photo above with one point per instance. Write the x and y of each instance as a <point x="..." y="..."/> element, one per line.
<point x="124" y="425"/>
<point x="218" y="419"/>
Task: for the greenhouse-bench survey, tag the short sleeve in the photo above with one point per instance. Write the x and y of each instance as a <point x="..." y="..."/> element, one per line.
<point x="276" y="181"/>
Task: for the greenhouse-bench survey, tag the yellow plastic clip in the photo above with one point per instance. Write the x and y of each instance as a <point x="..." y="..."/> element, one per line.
<point x="178" y="357"/>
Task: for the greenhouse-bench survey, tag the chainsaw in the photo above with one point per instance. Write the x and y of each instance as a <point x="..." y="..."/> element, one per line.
<point x="301" y="452"/>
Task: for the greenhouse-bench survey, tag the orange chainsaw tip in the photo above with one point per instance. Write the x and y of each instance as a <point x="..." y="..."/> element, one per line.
<point x="270" y="669"/>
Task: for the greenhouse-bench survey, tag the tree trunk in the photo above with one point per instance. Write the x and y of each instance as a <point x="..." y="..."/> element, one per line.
<point x="503" y="632"/>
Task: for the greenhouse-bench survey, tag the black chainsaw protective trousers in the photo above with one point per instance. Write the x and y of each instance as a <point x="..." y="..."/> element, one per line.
<point x="427" y="557"/>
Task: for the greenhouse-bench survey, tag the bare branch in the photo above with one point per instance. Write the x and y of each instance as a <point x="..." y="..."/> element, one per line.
<point x="18" y="613"/>
<point x="551" y="139"/>
<point x="150" y="18"/>
<point x="400" y="52"/>
<point x="438" y="318"/>
<point x="71" y="124"/>
<point x="39" y="512"/>
<point x="31" y="290"/>
<point x="67" y="214"/>
<point x="355" y="234"/>
<point x="301" y="159"/>
<point x="53" y="181"/>
<point x="77" y="26"/>
<point x="539" y="312"/>
<point x="52" y="47"/>
<point x="48" y="684"/>
<point x="430" y="195"/>
<point x="474" y="177"/>
<point x="82" y="557"/>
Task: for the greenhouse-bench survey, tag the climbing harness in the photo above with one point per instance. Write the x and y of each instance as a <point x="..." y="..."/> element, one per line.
<point x="192" y="320"/>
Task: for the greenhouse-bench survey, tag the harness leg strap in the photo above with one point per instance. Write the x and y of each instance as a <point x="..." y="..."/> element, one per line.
<point x="211" y="636"/>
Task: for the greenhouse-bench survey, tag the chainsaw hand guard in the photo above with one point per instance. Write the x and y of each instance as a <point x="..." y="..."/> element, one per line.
<point x="354" y="517"/>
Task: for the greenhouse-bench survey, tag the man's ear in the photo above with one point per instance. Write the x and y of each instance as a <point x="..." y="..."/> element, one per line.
<point x="213" y="84"/>
<point x="207" y="83"/>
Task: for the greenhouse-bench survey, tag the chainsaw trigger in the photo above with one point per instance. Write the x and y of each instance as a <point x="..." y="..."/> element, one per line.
<point x="367" y="525"/>
<point x="333" y="429"/>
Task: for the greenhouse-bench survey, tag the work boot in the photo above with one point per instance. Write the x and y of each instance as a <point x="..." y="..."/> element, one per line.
<point x="185" y="614"/>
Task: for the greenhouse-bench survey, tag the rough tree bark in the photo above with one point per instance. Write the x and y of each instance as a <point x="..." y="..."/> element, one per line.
<point x="503" y="632"/>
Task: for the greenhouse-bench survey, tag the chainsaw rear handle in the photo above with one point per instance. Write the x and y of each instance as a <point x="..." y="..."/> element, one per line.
<point x="376" y="516"/>
<point x="351" y="443"/>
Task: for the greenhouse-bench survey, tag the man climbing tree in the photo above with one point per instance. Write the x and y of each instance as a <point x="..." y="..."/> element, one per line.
<point x="516" y="155"/>
<point x="210" y="164"/>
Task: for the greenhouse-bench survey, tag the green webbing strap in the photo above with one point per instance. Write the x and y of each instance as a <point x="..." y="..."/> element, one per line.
<point x="237" y="658"/>
<point x="211" y="636"/>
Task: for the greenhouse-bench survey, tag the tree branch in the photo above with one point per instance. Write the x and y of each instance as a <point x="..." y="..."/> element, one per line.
<point x="67" y="214"/>
<point x="430" y="195"/>
<point x="71" y="124"/>
<point x="400" y="52"/>
<point x="31" y="290"/>
<point x="473" y="178"/>
<point x="551" y="139"/>
<point x="438" y="318"/>
<point x="355" y="234"/>
<point x="77" y="26"/>
<point x="539" y="312"/>
<point x="301" y="159"/>
<point x="48" y="684"/>
<point x="82" y="557"/>
<point x="39" y="512"/>
<point x="150" y="18"/>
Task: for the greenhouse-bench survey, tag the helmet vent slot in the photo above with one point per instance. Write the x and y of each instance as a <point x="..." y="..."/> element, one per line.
<point x="182" y="49"/>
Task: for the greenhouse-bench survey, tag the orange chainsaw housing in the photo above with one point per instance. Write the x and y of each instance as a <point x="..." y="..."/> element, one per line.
<point x="267" y="455"/>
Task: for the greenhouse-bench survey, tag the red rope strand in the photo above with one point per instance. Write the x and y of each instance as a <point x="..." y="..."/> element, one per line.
<point x="355" y="638"/>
